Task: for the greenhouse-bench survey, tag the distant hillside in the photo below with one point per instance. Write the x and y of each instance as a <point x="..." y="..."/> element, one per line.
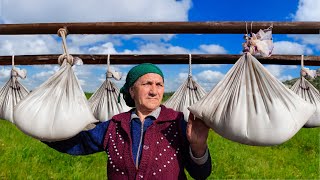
<point x="315" y="82"/>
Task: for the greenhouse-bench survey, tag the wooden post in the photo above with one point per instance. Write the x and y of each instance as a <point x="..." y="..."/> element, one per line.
<point x="212" y="27"/>
<point x="159" y="59"/>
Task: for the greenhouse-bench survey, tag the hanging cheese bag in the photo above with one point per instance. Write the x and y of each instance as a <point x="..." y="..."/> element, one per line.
<point x="12" y="92"/>
<point x="186" y="95"/>
<point x="104" y="102"/>
<point x="308" y="92"/>
<point x="58" y="109"/>
<point x="250" y="106"/>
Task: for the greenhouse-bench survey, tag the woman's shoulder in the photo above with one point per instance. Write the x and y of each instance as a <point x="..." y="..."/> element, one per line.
<point x="170" y="114"/>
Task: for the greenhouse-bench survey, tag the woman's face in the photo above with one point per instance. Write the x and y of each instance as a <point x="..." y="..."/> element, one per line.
<point x="147" y="92"/>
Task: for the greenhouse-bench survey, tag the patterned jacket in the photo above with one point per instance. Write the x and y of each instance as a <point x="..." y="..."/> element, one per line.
<point x="163" y="152"/>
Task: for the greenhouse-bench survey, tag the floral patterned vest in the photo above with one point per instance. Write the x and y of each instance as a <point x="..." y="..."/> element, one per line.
<point x="163" y="153"/>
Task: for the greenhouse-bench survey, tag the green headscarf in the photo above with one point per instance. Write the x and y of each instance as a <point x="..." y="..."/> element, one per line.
<point x="133" y="76"/>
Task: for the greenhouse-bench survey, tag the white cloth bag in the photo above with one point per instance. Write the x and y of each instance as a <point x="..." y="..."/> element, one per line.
<point x="186" y="95"/>
<point x="252" y="107"/>
<point x="309" y="93"/>
<point x="262" y="42"/>
<point x="11" y="93"/>
<point x="56" y="110"/>
<point x="104" y="102"/>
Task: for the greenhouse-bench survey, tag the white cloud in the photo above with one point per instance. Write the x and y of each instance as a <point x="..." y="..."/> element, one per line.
<point x="82" y="70"/>
<point x="166" y="48"/>
<point x="43" y="74"/>
<point x="275" y="70"/>
<point x="309" y="39"/>
<point x="208" y="78"/>
<point x="31" y="11"/>
<point x="46" y="66"/>
<point x="85" y="40"/>
<point x="182" y="76"/>
<point x="106" y="48"/>
<point x="173" y="83"/>
<point x="150" y="37"/>
<point x="5" y="73"/>
<point x="286" y="47"/>
<point x="308" y="10"/>
<point x="207" y="65"/>
<point x="102" y="78"/>
<point x="212" y="49"/>
<point x="82" y="82"/>
<point x="279" y="71"/>
<point x="159" y="48"/>
<point x="39" y="11"/>
<point x="32" y="44"/>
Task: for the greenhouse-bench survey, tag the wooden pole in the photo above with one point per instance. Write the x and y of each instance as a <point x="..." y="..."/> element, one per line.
<point x="212" y="27"/>
<point x="159" y="59"/>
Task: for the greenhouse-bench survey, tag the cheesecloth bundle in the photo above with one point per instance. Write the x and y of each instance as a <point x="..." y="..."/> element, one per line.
<point x="58" y="109"/>
<point x="12" y="92"/>
<point x="308" y="92"/>
<point x="260" y="43"/>
<point x="251" y="106"/>
<point x="104" y="102"/>
<point x="187" y="94"/>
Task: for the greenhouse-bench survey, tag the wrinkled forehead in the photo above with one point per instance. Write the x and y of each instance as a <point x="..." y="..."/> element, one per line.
<point x="150" y="77"/>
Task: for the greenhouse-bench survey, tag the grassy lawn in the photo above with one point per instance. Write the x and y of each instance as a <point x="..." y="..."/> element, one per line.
<point x="22" y="157"/>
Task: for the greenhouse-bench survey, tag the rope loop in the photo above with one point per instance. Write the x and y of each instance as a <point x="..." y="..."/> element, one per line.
<point x="64" y="57"/>
<point x="108" y="73"/>
<point x="108" y="63"/>
<point x="63" y="32"/>
<point x="190" y="62"/>
<point x="14" y="72"/>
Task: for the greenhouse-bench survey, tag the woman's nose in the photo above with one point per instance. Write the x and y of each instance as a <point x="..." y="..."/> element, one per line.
<point x="153" y="89"/>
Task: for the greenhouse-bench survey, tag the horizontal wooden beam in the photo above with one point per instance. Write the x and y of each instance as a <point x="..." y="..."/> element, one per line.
<point x="212" y="27"/>
<point x="159" y="59"/>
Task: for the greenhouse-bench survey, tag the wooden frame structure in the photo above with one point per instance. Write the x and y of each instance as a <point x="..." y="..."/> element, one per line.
<point x="227" y="27"/>
<point x="160" y="59"/>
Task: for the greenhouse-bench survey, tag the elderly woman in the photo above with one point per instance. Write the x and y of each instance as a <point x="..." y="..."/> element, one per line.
<point x="150" y="141"/>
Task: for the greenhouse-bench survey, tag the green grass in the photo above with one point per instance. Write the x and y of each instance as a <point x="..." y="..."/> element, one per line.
<point x="297" y="158"/>
<point x="22" y="157"/>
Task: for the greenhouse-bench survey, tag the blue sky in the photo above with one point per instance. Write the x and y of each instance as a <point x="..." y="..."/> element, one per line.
<point x="92" y="76"/>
